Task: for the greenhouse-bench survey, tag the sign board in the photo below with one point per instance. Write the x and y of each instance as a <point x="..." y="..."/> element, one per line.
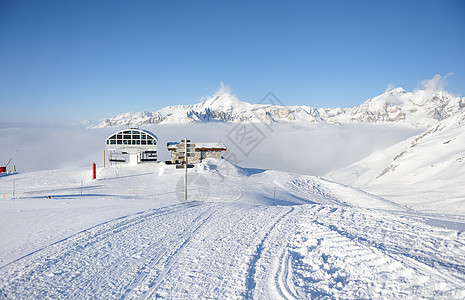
<point x="182" y="150"/>
<point x="189" y="145"/>
<point x="182" y="166"/>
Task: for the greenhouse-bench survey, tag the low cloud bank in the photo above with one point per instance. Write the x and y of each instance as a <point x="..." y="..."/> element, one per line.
<point x="299" y="148"/>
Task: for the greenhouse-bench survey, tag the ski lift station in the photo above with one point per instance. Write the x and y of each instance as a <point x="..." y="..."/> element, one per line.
<point x="139" y="145"/>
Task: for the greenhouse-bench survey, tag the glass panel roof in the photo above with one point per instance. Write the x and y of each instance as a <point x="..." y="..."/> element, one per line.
<point x="131" y="136"/>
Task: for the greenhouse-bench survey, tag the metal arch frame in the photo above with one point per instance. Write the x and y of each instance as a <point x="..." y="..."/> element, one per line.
<point x="140" y="131"/>
<point x="138" y="149"/>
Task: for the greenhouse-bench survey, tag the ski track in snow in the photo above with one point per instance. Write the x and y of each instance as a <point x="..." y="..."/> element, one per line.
<point x="216" y="250"/>
<point x="238" y="245"/>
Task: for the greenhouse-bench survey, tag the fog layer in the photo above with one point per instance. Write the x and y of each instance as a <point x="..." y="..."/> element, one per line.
<point x="291" y="147"/>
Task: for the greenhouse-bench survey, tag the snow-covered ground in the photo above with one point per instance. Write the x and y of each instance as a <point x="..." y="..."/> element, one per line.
<point x="426" y="171"/>
<point x="243" y="233"/>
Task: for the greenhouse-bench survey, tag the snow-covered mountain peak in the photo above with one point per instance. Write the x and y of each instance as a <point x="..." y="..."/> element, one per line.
<point x="422" y="108"/>
<point x="389" y="98"/>
<point x="223" y="100"/>
<point x="395" y="91"/>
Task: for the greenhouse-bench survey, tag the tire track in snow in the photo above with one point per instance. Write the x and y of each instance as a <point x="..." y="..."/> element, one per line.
<point x="238" y="193"/>
<point x="283" y="277"/>
<point x="415" y="261"/>
<point x="149" y="259"/>
<point x="124" y="221"/>
<point x="137" y="261"/>
<point x="186" y="236"/>
<point x="215" y="263"/>
<point x="329" y="259"/>
<point x="144" y="262"/>
<point x="277" y="280"/>
<point x="35" y="268"/>
<point x="420" y="249"/>
<point x="108" y="269"/>
<point x="252" y="266"/>
<point x="328" y="263"/>
<point x="229" y="250"/>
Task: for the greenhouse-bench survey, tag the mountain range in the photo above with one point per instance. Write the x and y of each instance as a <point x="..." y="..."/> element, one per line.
<point x="433" y="161"/>
<point x="421" y="108"/>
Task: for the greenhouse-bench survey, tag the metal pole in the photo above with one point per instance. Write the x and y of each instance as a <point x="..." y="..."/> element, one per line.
<point x="185" y="168"/>
<point x="14" y="187"/>
<point x="274" y="194"/>
<point x="11" y="158"/>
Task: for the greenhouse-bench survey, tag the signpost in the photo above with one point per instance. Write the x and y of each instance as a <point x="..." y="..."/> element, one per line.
<point x="184" y="154"/>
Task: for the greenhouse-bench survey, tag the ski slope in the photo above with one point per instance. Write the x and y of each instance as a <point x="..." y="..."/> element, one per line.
<point x="243" y="233"/>
<point x="426" y="171"/>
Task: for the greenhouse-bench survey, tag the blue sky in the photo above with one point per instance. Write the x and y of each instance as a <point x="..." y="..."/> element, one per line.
<point x="67" y="61"/>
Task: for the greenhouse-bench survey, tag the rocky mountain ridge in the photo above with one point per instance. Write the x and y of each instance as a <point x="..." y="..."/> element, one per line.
<point x="421" y="108"/>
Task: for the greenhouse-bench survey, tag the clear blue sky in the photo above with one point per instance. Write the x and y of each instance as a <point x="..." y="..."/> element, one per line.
<point x="67" y="61"/>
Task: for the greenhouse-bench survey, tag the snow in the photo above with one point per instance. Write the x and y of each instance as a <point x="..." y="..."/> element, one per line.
<point x="420" y="108"/>
<point x="425" y="171"/>
<point x="243" y="233"/>
<point x="223" y="100"/>
<point x="210" y="146"/>
<point x="389" y="226"/>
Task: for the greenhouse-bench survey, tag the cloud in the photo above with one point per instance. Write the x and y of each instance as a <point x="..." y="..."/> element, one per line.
<point x="224" y="89"/>
<point x="300" y="148"/>
<point x="390" y="87"/>
<point x="437" y="83"/>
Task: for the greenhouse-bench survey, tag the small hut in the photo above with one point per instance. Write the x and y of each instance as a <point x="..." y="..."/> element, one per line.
<point x="201" y="151"/>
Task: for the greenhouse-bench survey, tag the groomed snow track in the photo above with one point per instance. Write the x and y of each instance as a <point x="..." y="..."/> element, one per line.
<point x="229" y="250"/>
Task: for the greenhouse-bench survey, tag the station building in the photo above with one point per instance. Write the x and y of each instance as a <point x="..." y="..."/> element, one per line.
<point x="135" y="145"/>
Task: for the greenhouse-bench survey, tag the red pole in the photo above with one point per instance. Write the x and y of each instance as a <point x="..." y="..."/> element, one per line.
<point x="94" y="171"/>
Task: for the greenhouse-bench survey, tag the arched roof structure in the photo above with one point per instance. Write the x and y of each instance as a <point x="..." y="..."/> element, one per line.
<point x="132" y="137"/>
<point x="141" y="145"/>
